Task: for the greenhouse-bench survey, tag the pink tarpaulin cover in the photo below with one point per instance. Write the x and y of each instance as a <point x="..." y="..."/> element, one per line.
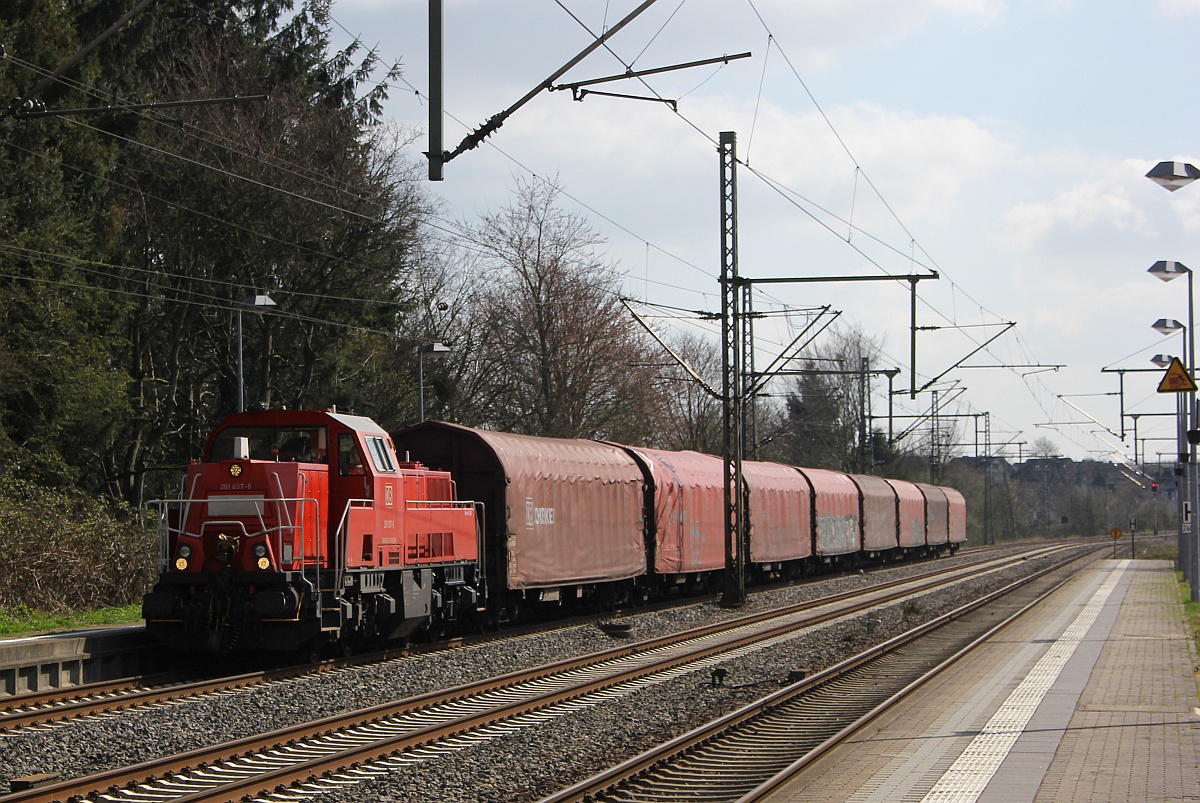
<point x="879" y="523"/>
<point x="937" y="514"/>
<point x="778" y="511"/>
<point x="836" y="510"/>
<point x="912" y="513"/>
<point x="689" y="510"/>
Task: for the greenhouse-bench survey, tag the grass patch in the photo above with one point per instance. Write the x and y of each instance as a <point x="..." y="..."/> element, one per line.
<point x="22" y="620"/>
<point x="1191" y="610"/>
<point x="1156" y="549"/>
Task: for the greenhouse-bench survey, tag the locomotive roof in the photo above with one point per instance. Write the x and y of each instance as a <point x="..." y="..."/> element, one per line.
<point x="358" y="423"/>
<point x="277" y="417"/>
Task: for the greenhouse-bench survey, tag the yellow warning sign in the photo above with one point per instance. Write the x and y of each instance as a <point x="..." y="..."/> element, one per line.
<point x="1176" y="379"/>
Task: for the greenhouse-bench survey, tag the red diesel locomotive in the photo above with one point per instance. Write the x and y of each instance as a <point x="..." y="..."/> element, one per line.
<point x="301" y="529"/>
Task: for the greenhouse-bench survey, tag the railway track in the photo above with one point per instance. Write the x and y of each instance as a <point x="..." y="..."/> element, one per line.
<point x="56" y="705"/>
<point x="53" y="707"/>
<point x="746" y="755"/>
<point x="349" y="748"/>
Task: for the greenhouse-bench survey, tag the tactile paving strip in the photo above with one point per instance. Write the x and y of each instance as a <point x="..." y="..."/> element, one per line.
<point x="970" y="773"/>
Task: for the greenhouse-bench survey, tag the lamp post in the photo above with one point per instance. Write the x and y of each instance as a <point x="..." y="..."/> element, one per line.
<point x="1168" y="271"/>
<point x="253" y="301"/>
<point x="1183" y="543"/>
<point x="1167" y="326"/>
<point x="436" y="349"/>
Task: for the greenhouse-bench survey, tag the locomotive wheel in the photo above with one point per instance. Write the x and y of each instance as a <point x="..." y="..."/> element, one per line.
<point x="309" y="653"/>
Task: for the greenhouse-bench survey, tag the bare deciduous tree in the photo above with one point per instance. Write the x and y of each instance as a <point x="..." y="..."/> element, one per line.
<point x="559" y="354"/>
<point x="691" y="416"/>
<point x="1043" y="448"/>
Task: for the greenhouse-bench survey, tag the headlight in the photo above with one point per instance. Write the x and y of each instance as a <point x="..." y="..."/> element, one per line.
<point x="181" y="564"/>
<point x="185" y="551"/>
<point x="260" y="550"/>
<point x="264" y="563"/>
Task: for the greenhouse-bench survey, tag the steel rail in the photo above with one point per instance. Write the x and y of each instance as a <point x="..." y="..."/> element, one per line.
<point x="55" y="706"/>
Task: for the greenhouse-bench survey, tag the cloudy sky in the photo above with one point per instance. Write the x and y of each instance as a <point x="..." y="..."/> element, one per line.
<point x="1001" y="143"/>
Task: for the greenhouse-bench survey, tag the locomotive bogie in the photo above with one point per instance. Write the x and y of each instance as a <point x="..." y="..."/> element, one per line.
<point x="230" y="611"/>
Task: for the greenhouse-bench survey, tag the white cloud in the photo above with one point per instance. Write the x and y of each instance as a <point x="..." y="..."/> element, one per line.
<point x="1103" y="203"/>
<point x="1069" y="306"/>
<point x="823" y="31"/>
<point x="920" y="165"/>
<point x="1177" y="8"/>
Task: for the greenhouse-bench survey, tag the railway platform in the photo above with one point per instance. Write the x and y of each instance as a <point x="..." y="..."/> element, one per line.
<point x="60" y="660"/>
<point x="1091" y="698"/>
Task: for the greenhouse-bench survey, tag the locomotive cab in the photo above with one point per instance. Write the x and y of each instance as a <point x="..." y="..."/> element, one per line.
<point x="301" y="529"/>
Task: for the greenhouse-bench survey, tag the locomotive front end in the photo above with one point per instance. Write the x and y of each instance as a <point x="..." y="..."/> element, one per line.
<point x="233" y="552"/>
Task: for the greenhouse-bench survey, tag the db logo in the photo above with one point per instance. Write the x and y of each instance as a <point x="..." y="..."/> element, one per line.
<point x="536" y="516"/>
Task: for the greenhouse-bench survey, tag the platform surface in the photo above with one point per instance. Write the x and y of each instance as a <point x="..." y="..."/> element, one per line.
<point x="1092" y="698"/>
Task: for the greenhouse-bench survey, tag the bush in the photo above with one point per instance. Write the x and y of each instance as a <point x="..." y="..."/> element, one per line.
<point x="62" y="550"/>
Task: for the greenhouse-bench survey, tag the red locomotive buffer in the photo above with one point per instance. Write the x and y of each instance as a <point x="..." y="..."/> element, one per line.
<point x="302" y="529"/>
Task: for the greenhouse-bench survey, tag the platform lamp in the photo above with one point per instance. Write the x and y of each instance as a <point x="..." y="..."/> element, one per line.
<point x="1161" y="360"/>
<point x="1168" y="326"/>
<point x="253" y="302"/>
<point x="1173" y="175"/>
<point x="434" y="349"/>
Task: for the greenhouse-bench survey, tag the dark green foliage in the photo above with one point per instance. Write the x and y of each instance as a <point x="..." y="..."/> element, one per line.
<point x="60" y="392"/>
<point x="827" y="405"/>
<point x="128" y="239"/>
<point x="822" y="426"/>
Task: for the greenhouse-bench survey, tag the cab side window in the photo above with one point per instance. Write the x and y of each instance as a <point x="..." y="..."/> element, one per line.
<point x="380" y="454"/>
<point x="349" y="459"/>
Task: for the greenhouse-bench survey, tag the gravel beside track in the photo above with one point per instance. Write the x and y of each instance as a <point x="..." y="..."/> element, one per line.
<point x="524" y="765"/>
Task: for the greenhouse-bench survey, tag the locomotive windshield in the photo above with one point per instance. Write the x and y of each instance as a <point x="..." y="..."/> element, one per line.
<point x="284" y="444"/>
